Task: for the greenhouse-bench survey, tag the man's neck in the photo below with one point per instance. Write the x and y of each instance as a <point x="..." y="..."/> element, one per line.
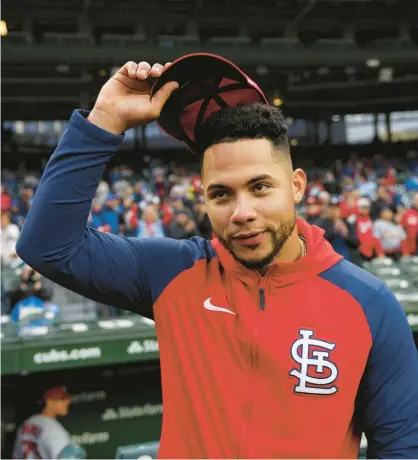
<point x="48" y="413"/>
<point x="290" y="252"/>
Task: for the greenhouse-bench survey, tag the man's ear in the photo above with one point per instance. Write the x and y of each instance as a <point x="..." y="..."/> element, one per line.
<point x="298" y="184"/>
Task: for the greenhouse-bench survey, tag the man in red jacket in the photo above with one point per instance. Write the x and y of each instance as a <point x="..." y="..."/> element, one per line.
<point x="369" y="245"/>
<point x="271" y="345"/>
<point x="409" y="221"/>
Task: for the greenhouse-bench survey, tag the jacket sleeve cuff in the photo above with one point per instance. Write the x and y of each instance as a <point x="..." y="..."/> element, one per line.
<point x="79" y="119"/>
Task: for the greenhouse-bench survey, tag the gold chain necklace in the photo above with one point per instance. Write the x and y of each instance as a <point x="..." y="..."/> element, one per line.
<point x="303" y="246"/>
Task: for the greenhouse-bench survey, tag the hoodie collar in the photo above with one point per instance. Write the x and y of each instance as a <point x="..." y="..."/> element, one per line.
<point x="319" y="258"/>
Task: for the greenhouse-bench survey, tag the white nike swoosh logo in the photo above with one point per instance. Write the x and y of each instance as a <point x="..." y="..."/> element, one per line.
<point x="207" y="304"/>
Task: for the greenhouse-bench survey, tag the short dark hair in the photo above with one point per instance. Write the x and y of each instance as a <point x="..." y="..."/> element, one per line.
<point x="246" y="121"/>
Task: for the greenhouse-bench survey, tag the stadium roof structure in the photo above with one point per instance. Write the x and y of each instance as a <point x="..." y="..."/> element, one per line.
<point x="315" y="57"/>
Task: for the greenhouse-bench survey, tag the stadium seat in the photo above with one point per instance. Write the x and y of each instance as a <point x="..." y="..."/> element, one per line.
<point x="123" y="39"/>
<point x="67" y="39"/>
<point x="229" y="42"/>
<point x="18" y="38"/>
<point x="410" y="269"/>
<point x="384" y="261"/>
<point x="171" y="41"/>
<point x="280" y="42"/>
<point x="385" y="272"/>
<point x="398" y="283"/>
<point x="333" y="44"/>
<point x="9" y="277"/>
<point x="388" y="43"/>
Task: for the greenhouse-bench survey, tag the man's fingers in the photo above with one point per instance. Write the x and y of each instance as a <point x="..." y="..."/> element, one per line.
<point x="162" y="95"/>
<point x="143" y="70"/>
<point x="128" y="69"/>
<point x="156" y="71"/>
<point x="131" y="69"/>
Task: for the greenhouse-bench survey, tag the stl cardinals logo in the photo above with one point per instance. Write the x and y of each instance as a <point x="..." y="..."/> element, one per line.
<point x="312" y="355"/>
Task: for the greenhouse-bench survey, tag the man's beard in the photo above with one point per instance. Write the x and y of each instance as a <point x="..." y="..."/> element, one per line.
<point x="278" y="239"/>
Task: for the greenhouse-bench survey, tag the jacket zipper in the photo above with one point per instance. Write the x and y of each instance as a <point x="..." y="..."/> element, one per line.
<point x="262" y="293"/>
<point x="254" y="359"/>
<point x="262" y="300"/>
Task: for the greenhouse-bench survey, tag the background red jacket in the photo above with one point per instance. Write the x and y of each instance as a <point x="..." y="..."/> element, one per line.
<point x="409" y="222"/>
<point x="369" y="245"/>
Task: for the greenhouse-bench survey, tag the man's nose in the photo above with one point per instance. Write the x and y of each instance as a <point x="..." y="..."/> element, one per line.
<point x="244" y="211"/>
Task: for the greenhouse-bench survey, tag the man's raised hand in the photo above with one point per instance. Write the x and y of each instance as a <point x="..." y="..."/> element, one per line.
<point x="125" y="100"/>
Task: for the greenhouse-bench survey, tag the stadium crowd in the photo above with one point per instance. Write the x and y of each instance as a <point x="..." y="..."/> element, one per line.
<point x="364" y="208"/>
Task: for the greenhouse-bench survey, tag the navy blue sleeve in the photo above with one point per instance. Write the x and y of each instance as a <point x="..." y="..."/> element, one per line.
<point x="388" y="395"/>
<point x="128" y="273"/>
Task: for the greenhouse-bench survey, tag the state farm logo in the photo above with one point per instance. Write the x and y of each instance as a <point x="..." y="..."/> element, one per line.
<point x="137" y="347"/>
<point x="124" y="412"/>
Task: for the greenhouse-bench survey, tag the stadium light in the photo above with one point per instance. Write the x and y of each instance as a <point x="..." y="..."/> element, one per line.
<point x="3" y="28"/>
<point x="373" y="62"/>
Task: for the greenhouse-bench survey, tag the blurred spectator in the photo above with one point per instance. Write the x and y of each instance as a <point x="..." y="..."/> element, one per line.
<point x="9" y="235"/>
<point x="111" y="211"/>
<point x="102" y="192"/>
<point x="341" y="234"/>
<point x="177" y="204"/>
<point x="348" y="205"/>
<point x="130" y="216"/>
<point x="411" y="183"/>
<point x="366" y="187"/>
<point x="161" y="185"/>
<point x="139" y="192"/>
<point x="331" y="185"/>
<point x="6" y="200"/>
<point x="204" y="226"/>
<point x="324" y="198"/>
<point x="409" y="222"/>
<point x="314" y="211"/>
<point x="31" y="284"/>
<point x="315" y="186"/>
<point x="97" y="218"/>
<point x="391" y="234"/>
<point x="21" y="206"/>
<point x="150" y="224"/>
<point x="369" y="246"/>
<point x="383" y="201"/>
<point x="167" y="212"/>
<point x="182" y="227"/>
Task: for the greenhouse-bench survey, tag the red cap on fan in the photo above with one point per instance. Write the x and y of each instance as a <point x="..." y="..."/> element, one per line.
<point x="207" y="83"/>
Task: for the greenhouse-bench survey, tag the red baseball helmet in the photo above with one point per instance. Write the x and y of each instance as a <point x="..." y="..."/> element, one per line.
<point x="207" y="83"/>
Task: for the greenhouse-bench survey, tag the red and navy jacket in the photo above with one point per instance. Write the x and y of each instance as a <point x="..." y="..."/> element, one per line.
<point x="297" y="363"/>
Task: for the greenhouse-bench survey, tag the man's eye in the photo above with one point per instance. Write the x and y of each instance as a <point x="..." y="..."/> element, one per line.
<point x="219" y="194"/>
<point x="260" y="187"/>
